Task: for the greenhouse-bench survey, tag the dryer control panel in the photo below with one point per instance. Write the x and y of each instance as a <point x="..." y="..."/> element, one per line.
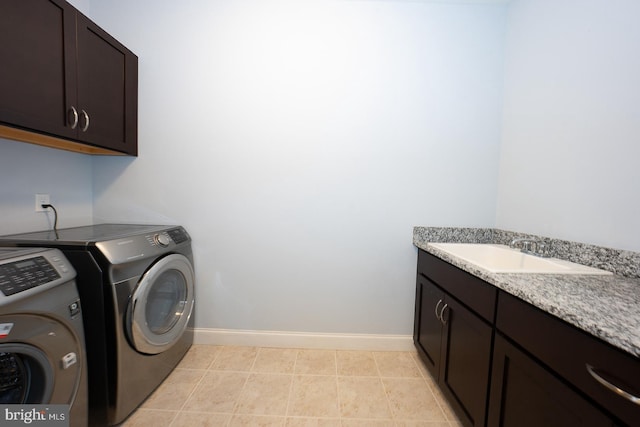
<point x="148" y="245"/>
<point x="24" y="269"/>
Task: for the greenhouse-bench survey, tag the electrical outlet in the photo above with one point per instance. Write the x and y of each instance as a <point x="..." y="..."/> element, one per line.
<point x="42" y="199"/>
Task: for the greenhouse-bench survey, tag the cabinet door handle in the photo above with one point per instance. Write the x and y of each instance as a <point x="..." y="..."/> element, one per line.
<point x="619" y="391"/>
<point x="74" y="113"/>
<point x="442" y="319"/>
<point x="86" y="121"/>
<point x="436" y="312"/>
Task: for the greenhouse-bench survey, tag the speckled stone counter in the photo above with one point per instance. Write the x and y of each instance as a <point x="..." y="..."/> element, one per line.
<point x="607" y="307"/>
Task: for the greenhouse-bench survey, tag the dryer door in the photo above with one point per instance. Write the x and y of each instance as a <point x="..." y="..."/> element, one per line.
<point x="161" y="304"/>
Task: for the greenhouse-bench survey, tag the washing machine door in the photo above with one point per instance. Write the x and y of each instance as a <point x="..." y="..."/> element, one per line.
<point x="26" y="375"/>
<point x="40" y="361"/>
<point x="161" y="304"/>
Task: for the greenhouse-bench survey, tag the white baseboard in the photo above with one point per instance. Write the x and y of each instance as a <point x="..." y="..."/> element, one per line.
<point x="371" y="342"/>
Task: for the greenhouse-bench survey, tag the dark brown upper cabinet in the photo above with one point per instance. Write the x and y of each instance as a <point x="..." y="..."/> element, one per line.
<point x="65" y="82"/>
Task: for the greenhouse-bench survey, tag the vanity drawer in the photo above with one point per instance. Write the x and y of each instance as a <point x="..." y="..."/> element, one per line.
<point x="475" y="293"/>
<point x="571" y="352"/>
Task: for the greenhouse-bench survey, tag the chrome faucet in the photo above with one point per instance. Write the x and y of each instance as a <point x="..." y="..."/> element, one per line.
<point x="531" y="246"/>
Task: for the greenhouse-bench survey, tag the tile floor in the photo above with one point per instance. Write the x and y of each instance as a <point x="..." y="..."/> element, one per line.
<point x="249" y="386"/>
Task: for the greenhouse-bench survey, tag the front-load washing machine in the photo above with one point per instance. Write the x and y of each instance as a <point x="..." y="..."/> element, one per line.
<point x="136" y="285"/>
<point x="42" y="355"/>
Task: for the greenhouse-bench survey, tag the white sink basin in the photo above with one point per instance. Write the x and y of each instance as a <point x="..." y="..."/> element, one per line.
<point x="503" y="259"/>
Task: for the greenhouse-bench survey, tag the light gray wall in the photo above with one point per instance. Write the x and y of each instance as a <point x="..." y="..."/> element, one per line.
<point x="570" y="143"/>
<point x="300" y="142"/>
<point x="27" y="169"/>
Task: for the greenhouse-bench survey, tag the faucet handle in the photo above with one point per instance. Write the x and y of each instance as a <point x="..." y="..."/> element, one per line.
<point x="523" y="244"/>
<point x="531" y="246"/>
<point x="542" y="250"/>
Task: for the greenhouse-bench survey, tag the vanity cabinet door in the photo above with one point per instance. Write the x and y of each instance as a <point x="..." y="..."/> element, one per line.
<point x="465" y="362"/>
<point x="525" y="394"/>
<point x="428" y="327"/>
<point x="455" y="346"/>
<point x="601" y="373"/>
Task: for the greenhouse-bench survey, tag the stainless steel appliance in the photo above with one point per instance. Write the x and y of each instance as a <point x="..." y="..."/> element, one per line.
<point x="42" y="355"/>
<point x="136" y="284"/>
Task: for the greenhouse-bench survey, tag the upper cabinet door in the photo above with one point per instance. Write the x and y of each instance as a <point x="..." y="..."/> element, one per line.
<point x="38" y="74"/>
<point x="64" y="82"/>
<point x="107" y="89"/>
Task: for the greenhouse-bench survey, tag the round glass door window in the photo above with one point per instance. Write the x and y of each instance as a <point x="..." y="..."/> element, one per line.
<point x="166" y="301"/>
<point x="161" y="305"/>
<point x="25" y="375"/>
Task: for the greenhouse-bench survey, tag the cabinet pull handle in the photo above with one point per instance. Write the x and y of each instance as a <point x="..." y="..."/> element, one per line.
<point x="86" y="121"/>
<point x="442" y="319"/>
<point x="619" y="391"/>
<point x="436" y="312"/>
<point x="74" y="112"/>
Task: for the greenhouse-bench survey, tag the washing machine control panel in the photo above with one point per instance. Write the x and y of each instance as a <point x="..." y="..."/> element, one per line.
<point x="25" y="272"/>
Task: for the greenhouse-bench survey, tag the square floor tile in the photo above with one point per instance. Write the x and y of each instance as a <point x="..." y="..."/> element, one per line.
<point x="235" y="359"/>
<point x="175" y="390"/>
<point x="312" y="422"/>
<point x="198" y="419"/>
<point x="256" y="421"/>
<point x="367" y="423"/>
<point x="217" y="392"/>
<point x="150" y="417"/>
<point x="396" y="364"/>
<point x="275" y="360"/>
<point x="356" y="363"/>
<point x="362" y="397"/>
<point x="200" y="357"/>
<point x="316" y="362"/>
<point x="411" y="399"/>
<point x="265" y="394"/>
<point x="314" y="396"/>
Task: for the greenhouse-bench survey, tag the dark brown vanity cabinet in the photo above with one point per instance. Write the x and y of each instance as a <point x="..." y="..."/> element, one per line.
<point x="453" y="333"/>
<point x="547" y="372"/>
<point x="65" y="82"/>
<point x="502" y="362"/>
<point x="525" y="394"/>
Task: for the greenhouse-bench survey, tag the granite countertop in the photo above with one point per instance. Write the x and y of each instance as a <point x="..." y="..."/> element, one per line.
<point x="607" y="307"/>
